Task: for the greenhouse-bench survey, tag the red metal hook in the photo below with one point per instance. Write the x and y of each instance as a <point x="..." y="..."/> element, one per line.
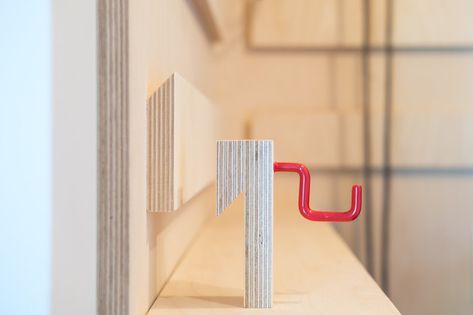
<point x="304" y="195"/>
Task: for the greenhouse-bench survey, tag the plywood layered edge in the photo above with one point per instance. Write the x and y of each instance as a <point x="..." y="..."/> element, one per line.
<point x="246" y="166"/>
<point x="113" y="175"/>
<point x="182" y="129"/>
<point x="314" y="270"/>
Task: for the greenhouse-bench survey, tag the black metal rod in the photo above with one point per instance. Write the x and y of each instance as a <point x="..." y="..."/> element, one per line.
<point x="395" y="171"/>
<point x="387" y="134"/>
<point x="341" y="49"/>
<point x="366" y="96"/>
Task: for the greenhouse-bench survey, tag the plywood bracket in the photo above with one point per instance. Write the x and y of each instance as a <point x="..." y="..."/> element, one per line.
<point x="247" y="166"/>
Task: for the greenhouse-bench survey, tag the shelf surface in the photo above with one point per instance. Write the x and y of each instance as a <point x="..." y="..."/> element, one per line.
<point x="314" y="271"/>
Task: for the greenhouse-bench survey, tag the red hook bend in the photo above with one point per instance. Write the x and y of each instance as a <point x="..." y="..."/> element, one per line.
<point x="304" y="195"/>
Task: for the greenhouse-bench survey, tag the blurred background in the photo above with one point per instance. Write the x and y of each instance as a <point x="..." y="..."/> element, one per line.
<point x="377" y="92"/>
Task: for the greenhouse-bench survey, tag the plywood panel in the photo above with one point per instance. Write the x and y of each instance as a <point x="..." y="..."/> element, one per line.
<point x="182" y="129"/>
<point x="305" y="23"/>
<point x="316" y="138"/>
<point x="314" y="271"/>
<point x="433" y="82"/>
<point x="169" y="235"/>
<point x="246" y="166"/>
<point x="431" y="244"/>
<point x="433" y="22"/>
<point x="304" y="136"/>
<point x="426" y="139"/>
<point x="431" y="115"/>
<point x="433" y="139"/>
<point x="164" y="37"/>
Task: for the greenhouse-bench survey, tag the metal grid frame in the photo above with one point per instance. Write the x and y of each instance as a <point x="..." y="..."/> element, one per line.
<point x="365" y="51"/>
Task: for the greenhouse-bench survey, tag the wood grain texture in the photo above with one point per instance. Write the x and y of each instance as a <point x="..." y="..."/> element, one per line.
<point x="164" y="37"/>
<point x="182" y="129"/>
<point x="314" y="270"/>
<point x="160" y="116"/>
<point x="247" y="166"/>
<point x="113" y="207"/>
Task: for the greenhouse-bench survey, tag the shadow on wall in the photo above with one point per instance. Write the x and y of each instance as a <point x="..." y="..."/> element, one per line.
<point x="166" y="242"/>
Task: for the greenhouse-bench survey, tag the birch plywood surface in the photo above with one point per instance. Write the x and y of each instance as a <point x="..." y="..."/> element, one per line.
<point x="305" y="23"/>
<point x="247" y="166"/>
<point x="182" y="129"/>
<point x="314" y="271"/>
<point x="113" y="164"/>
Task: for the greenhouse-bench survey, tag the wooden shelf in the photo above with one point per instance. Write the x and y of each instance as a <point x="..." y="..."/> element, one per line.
<point x="314" y="271"/>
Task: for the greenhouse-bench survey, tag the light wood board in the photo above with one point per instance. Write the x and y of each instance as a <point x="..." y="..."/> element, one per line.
<point x="247" y="166"/>
<point x="113" y="206"/>
<point x="314" y="270"/>
<point x="182" y="129"/>
<point x="304" y="23"/>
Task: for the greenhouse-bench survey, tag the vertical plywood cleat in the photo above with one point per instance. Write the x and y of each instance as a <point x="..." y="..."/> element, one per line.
<point x="246" y="166"/>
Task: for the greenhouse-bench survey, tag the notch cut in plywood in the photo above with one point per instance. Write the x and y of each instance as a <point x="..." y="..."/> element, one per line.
<point x="247" y="166"/>
<point x="182" y="130"/>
